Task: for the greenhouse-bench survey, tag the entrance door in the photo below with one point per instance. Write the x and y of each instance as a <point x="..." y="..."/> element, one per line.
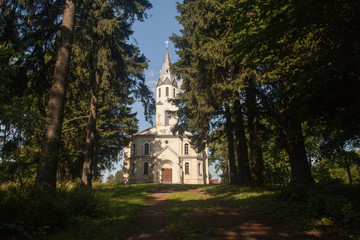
<point x="166" y="175"/>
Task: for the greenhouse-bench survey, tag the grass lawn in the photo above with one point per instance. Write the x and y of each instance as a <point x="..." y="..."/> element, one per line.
<point x="108" y="210"/>
<point x="119" y="203"/>
<point x="334" y="210"/>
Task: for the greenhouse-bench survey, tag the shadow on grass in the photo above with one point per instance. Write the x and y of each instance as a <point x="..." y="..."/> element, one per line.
<point x="333" y="210"/>
<point x="224" y="216"/>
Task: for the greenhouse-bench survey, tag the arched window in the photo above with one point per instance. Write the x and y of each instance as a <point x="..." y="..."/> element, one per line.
<point x="186" y="149"/>
<point x="146" y="168"/>
<point x="159" y="92"/>
<point x="167" y="117"/>
<point x="146" y="149"/>
<point x="134" y="149"/>
<point x="174" y="92"/>
<point x="199" y="168"/>
<point x="167" y="91"/>
<point x="187" y="168"/>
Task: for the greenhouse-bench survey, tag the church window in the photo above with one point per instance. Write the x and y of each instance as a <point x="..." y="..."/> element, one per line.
<point x="132" y="168"/>
<point x="174" y="93"/>
<point x="167" y="117"/>
<point x="187" y="168"/>
<point x="146" y="149"/>
<point x="167" y="91"/>
<point x="199" y="168"/>
<point x="186" y="149"/>
<point x="159" y="92"/>
<point x="146" y="168"/>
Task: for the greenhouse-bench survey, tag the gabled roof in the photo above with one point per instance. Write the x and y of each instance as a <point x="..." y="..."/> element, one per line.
<point x="159" y="82"/>
<point x="166" y="82"/>
<point x="167" y="148"/>
<point x="148" y="131"/>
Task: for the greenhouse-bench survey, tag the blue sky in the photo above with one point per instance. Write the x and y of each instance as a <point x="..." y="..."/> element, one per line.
<point x="150" y="36"/>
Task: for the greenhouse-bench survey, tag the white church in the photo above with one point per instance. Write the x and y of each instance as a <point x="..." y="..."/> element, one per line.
<point x="155" y="155"/>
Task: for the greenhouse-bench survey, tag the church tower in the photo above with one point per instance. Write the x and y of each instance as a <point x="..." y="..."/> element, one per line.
<point x="156" y="155"/>
<point x="166" y="89"/>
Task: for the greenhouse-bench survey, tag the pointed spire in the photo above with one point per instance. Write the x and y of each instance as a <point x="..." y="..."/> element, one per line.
<point x="165" y="69"/>
<point x="167" y="57"/>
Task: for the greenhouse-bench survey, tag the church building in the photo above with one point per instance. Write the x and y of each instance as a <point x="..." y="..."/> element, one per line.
<point x="155" y="155"/>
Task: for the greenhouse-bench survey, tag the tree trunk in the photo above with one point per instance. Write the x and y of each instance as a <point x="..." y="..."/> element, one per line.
<point x="91" y="131"/>
<point x="347" y="163"/>
<point x="244" y="173"/>
<point x="95" y="174"/>
<point x="300" y="168"/>
<point x="46" y="173"/>
<point x="233" y="176"/>
<point x="255" y="141"/>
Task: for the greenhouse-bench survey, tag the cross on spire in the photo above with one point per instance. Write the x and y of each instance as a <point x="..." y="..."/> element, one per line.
<point x="167" y="43"/>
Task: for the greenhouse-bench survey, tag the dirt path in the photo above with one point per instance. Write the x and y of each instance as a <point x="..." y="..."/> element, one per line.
<point x="154" y="222"/>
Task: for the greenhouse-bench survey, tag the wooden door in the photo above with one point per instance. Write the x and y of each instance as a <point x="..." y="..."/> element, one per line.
<point x="167" y="175"/>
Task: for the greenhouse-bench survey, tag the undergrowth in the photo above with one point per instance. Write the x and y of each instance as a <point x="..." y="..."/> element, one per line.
<point x="76" y="212"/>
<point x="27" y="215"/>
<point x="331" y="209"/>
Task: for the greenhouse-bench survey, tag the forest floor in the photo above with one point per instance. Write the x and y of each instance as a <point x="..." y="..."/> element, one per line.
<point x="188" y="212"/>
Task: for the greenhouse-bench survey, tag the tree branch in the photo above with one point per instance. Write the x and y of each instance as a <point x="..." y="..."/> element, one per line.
<point x="76" y="118"/>
<point x="69" y="129"/>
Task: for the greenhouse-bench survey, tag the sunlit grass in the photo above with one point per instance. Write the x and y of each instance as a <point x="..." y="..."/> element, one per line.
<point x="185" y="196"/>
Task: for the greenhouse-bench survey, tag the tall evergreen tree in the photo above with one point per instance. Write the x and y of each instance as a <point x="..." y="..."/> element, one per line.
<point x="46" y="176"/>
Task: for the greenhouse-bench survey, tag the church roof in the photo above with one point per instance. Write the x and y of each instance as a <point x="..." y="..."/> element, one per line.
<point x="167" y="148"/>
<point x="148" y="131"/>
<point x="159" y="82"/>
<point x="167" y="81"/>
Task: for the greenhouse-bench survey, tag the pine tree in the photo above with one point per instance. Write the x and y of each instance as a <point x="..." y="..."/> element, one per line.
<point x="46" y="177"/>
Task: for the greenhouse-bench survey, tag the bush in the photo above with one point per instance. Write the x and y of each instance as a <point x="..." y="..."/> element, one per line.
<point x="336" y="205"/>
<point x="25" y="215"/>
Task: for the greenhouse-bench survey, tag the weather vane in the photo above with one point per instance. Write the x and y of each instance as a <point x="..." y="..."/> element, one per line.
<point x="167" y="43"/>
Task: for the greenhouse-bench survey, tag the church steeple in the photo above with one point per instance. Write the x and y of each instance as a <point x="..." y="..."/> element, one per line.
<point x="165" y="74"/>
<point x="166" y="88"/>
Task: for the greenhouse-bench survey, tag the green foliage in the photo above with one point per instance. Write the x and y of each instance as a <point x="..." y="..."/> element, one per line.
<point x="304" y="63"/>
<point x="117" y="179"/>
<point x="219" y="154"/>
<point x="26" y="215"/>
<point x="334" y="171"/>
<point x="119" y="206"/>
<point x="28" y="45"/>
